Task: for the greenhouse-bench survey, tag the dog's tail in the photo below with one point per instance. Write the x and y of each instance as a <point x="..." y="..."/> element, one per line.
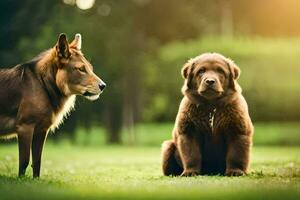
<point x="169" y="164"/>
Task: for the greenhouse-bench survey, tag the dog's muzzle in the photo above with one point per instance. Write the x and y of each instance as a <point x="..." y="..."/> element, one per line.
<point x="91" y="96"/>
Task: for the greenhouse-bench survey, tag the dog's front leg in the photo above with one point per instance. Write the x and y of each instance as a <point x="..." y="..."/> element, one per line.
<point x="25" y="132"/>
<point x="38" y="141"/>
<point x="238" y="155"/>
<point x="189" y="151"/>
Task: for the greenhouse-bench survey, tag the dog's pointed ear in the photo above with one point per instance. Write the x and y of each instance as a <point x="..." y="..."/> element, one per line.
<point x="76" y="43"/>
<point x="234" y="74"/>
<point x="62" y="46"/>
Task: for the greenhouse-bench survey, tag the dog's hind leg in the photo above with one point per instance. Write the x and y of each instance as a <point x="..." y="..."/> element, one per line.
<point x="38" y="141"/>
<point x="170" y="165"/>
<point x="25" y="133"/>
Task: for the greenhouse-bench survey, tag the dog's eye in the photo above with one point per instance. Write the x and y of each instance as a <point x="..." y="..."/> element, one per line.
<point x="81" y="69"/>
<point x="201" y="71"/>
<point x="220" y="70"/>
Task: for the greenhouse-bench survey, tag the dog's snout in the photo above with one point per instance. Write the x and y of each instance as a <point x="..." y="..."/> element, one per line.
<point x="102" y="85"/>
<point x="210" y="81"/>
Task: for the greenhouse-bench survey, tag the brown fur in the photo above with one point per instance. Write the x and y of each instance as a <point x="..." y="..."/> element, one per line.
<point x="213" y="130"/>
<point x="36" y="96"/>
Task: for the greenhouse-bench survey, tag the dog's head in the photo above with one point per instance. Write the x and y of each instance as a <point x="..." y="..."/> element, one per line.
<point x="210" y="76"/>
<point x="75" y="73"/>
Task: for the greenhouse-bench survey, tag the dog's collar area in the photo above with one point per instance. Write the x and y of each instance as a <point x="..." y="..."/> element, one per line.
<point x="211" y="116"/>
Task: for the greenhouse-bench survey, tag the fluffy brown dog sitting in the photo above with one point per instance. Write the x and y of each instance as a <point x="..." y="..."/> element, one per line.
<point x="213" y="130"/>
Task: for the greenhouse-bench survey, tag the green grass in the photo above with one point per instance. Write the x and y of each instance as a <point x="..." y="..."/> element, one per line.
<point x="115" y="172"/>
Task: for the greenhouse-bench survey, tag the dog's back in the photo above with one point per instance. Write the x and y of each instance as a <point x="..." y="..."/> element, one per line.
<point x="10" y="95"/>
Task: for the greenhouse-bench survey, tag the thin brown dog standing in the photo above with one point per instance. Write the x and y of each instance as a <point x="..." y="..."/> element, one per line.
<point x="37" y="95"/>
<point x="213" y="130"/>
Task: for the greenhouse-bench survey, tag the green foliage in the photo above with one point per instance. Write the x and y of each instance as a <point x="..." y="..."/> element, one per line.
<point x="135" y="173"/>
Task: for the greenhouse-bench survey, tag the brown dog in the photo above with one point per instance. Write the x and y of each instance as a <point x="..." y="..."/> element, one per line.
<point x="213" y="130"/>
<point x="37" y="95"/>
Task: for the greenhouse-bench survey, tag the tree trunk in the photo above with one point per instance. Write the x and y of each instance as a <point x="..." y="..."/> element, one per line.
<point x="113" y="124"/>
<point x="128" y="122"/>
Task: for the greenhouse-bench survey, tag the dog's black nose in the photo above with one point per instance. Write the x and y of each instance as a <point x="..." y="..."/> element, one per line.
<point x="210" y="81"/>
<point x="102" y="86"/>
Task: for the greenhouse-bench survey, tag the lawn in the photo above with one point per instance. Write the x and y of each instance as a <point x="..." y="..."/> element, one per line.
<point x="116" y="172"/>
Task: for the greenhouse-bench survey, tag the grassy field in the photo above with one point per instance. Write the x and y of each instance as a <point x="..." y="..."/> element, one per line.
<point x="115" y="172"/>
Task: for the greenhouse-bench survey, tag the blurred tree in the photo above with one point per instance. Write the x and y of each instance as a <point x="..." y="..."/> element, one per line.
<point x="226" y="18"/>
<point x="19" y="19"/>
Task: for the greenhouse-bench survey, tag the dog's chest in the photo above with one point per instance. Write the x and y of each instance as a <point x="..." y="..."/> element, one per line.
<point x="58" y="118"/>
<point x="209" y="121"/>
<point x="206" y="120"/>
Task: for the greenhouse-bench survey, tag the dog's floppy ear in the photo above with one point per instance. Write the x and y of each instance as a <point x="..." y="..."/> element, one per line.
<point x="187" y="69"/>
<point x="234" y="74"/>
<point x="235" y="70"/>
<point x="186" y="73"/>
<point x="76" y="43"/>
<point x="62" y="46"/>
<point x="184" y="70"/>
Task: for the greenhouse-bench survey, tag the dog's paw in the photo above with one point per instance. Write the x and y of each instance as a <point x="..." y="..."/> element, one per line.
<point x="190" y="173"/>
<point x="234" y="172"/>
